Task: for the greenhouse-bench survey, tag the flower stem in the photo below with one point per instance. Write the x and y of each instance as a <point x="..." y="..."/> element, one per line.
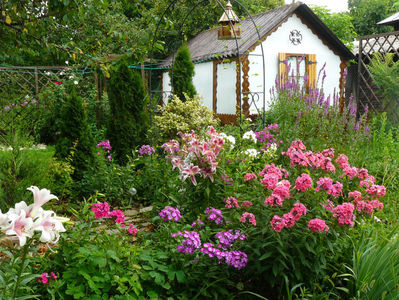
<point x="24" y="254"/>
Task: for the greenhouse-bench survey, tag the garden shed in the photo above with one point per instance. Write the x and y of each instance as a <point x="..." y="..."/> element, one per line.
<point x="290" y="35"/>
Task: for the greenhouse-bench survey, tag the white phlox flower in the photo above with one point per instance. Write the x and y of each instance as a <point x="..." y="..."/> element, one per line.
<point x="249" y="135"/>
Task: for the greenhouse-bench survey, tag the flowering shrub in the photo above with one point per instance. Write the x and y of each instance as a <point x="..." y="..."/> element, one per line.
<point x="105" y="145"/>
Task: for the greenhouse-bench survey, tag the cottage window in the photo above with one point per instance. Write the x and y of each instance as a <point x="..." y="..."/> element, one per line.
<point x="297" y="66"/>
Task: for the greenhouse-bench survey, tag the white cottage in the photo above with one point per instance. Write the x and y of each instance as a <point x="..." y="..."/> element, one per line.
<point x="290" y="33"/>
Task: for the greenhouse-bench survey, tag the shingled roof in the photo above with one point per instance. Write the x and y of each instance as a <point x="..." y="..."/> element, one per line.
<point x="207" y="46"/>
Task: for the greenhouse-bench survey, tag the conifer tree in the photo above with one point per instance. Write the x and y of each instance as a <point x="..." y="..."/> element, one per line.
<point x="75" y="141"/>
<point x="182" y="74"/>
<point x="128" y="123"/>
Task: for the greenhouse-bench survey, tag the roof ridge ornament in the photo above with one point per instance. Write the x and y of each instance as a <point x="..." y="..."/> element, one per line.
<point x="228" y="15"/>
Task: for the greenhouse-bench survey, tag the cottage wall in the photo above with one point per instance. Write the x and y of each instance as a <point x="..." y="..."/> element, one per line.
<point x="279" y="42"/>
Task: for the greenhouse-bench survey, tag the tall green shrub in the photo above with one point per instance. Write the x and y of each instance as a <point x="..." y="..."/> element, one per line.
<point x="75" y="142"/>
<point x="182" y="74"/>
<point x="128" y="120"/>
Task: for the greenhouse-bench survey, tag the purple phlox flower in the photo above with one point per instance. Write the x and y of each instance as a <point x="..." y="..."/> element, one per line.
<point x="227" y="238"/>
<point x="105" y="145"/>
<point x="170" y="213"/>
<point x="191" y="243"/>
<point x="214" y="215"/>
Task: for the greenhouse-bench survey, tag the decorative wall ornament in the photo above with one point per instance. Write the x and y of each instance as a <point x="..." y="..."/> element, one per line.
<point x="295" y="37"/>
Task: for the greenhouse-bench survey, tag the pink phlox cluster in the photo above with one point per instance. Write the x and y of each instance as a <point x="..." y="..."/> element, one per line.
<point x="191" y="242"/>
<point x="170" y="213"/>
<point x="249" y="177"/>
<point x="269" y="181"/>
<point x="364" y="205"/>
<point x="105" y="145"/>
<point x="277" y="223"/>
<point x="344" y="214"/>
<point x="246" y="204"/>
<point x="296" y="154"/>
<point x="231" y="202"/>
<point x="101" y="210"/>
<point x="329" y="206"/>
<point x="246" y="216"/>
<point x="132" y="230"/>
<point x="193" y="156"/>
<point x="146" y="150"/>
<point x="288" y="220"/>
<point x="328" y="152"/>
<point x="45" y="277"/>
<point x="214" y="215"/>
<point x="236" y="259"/>
<point x="333" y="189"/>
<point x="363" y="173"/>
<point x="227" y="238"/>
<point x="376" y="191"/>
<point x="303" y="182"/>
<point x="298" y="211"/>
<point x="356" y="195"/>
<point x="367" y="182"/>
<point x="272" y="169"/>
<point x="197" y="223"/>
<point x="318" y="225"/>
<point x="119" y="216"/>
<point x="279" y="194"/>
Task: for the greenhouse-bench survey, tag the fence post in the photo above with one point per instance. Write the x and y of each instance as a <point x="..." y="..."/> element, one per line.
<point x="359" y="70"/>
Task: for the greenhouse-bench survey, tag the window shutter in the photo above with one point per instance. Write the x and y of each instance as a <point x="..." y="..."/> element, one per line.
<point x="312" y="70"/>
<point x="282" y="67"/>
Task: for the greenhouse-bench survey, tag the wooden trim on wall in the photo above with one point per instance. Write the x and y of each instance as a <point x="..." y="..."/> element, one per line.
<point x="238" y="108"/>
<point x="342" y="85"/>
<point x="215" y="85"/>
<point x="162" y="94"/>
<point x="245" y="85"/>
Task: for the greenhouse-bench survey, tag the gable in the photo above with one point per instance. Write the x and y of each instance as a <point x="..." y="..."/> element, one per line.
<point x="206" y="46"/>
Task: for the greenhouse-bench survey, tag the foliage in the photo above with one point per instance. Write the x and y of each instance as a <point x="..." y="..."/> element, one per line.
<point x="128" y="121"/>
<point x="367" y="13"/>
<point x="339" y="23"/>
<point x="182" y="73"/>
<point x="385" y="74"/>
<point x="75" y="142"/>
<point x="375" y="266"/>
<point x="177" y="116"/>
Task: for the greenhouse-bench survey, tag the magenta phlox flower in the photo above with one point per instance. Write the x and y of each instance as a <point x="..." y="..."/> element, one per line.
<point x="356" y="195"/>
<point x="146" y="150"/>
<point x="318" y="225"/>
<point x="246" y="204"/>
<point x="214" y="215"/>
<point x="248" y="217"/>
<point x="132" y="230"/>
<point x="270" y="181"/>
<point x="303" y="182"/>
<point x="101" y="210"/>
<point x="298" y="211"/>
<point x="344" y="214"/>
<point x="191" y="171"/>
<point x="231" y="202"/>
<point x="363" y="173"/>
<point x="376" y="191"/>
<point x="367" y="182"/>
<point x="342" y="159"/>
<point x="328" y="152"/>
<point x="104" y="145"/>
<point x="119" y="216"/>
<point x="277" y="223"/>
<point x="228" y="180"/>
<point x="170" y="213"/>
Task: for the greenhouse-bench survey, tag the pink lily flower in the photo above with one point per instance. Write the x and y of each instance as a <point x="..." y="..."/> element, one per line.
<point x="21" y="226"/>
<point x="191" y="171"/>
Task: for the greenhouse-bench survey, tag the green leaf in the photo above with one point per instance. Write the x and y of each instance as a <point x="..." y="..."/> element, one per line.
<point x="181" y="277"/>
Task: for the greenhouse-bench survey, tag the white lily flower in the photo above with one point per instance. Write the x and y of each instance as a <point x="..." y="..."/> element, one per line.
<point x="40" y="197"/>
<point x="21" y="226"/>
<point x="49" y="226"/>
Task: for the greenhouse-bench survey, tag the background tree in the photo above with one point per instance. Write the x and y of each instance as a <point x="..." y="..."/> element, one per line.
<point x="182" y="73"/>
<point x="75" y="142"/>
<point x="367" y="13"/>
<point x="339" y="23"/>
<point x="128" y="123"/>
